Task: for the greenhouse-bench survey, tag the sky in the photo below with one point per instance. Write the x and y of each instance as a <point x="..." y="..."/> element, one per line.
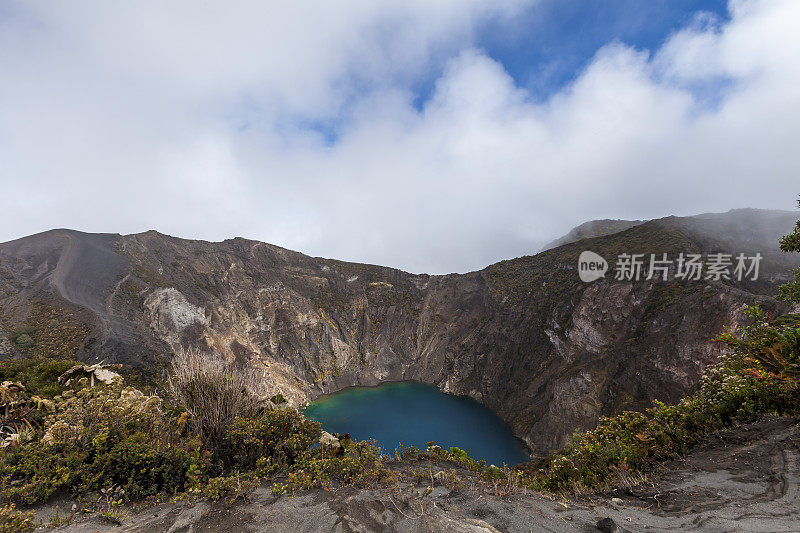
<point x="429" y="136"/>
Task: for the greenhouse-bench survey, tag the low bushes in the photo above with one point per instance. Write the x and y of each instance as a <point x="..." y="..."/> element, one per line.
<point x="358" y="463"/>
<point x="13" y="521"/>
<point x="114" y="438"/>
<point x="40" y="376"/>
<point x="99" y="437"/>
<point x="271" y="442"/>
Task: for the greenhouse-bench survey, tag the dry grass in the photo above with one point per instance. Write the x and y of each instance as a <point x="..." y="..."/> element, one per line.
<point x="214" y="393"/>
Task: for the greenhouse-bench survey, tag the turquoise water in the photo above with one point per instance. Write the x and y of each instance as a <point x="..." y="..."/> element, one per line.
<point x="413" y="414"/>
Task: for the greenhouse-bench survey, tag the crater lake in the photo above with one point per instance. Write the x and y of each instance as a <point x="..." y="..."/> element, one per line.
<point x="413" y="414"/>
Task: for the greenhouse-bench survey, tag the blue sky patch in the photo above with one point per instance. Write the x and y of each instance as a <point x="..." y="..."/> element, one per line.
<point x="549" y="45"/>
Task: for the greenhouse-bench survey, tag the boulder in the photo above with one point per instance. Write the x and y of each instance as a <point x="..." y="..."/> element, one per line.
<point x="326" y="439"/>
<point x="99" y="372"/>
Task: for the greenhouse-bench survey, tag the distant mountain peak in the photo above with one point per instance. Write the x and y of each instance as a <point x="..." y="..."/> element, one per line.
<point x="592" y="228"/>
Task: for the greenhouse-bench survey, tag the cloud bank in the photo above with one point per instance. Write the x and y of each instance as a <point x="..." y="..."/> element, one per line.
<point x="302" y="126"/>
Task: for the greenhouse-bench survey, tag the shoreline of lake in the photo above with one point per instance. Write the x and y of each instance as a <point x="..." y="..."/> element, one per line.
<point x="413" y="414"/>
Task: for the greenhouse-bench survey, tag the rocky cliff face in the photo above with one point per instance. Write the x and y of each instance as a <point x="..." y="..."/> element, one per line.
<point x="526" y="337"/>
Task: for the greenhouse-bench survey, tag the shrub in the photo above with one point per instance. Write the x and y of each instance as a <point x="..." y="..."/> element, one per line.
<point x="116" y="439"/>
<point x="23" y="340"/>
<point x="39" y="375"/>
<point x="99" y="437"/>
<point x="229" y="487"/>
<point x="214" y="394"/>
<point x="31" y="473"/>
<point x="459" y="453"/>
<point x="454" y="455"/>
<point x="790" y="291"/>
<point x="361" y="463"/>
<point x="13" y="521"/>
<point x="271" y="442"/>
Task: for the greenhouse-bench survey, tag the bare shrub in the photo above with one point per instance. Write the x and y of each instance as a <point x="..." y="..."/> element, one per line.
<point x="214" y="393"/>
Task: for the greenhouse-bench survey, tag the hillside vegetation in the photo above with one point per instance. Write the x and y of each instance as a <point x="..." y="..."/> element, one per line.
<point x="213" y="435"/>
<point x="759" y="374"/>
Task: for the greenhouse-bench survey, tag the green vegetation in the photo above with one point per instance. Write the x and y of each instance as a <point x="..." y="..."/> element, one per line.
<point x="791" y="242"/>
<point x="23" y="340"/>
<point x="790" y="292"/>
<point x="737" y="389"/>
<point x="40" y="376"/>
<point x="113" y="439"/>
<point x="13" y="521"/>
<point x="97" y="438"/>
<point x="50" y="332"/>
<point x="216" y="434"/>
<point x="551" y="275"/>
<point x="759" y="375"/>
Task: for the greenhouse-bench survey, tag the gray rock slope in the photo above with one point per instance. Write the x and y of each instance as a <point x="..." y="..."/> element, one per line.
<point x="525" y="337"/>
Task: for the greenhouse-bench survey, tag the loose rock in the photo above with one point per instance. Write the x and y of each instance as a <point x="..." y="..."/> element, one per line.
<point x="607" y="525"/>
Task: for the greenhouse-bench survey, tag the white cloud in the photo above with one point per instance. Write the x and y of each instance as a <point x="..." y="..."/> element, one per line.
<point x="196" y="122"/>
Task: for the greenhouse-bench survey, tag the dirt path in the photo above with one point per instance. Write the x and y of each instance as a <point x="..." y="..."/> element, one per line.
<point x="744" y="479"/>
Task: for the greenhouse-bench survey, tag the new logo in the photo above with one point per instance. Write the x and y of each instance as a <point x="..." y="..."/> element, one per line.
<point x="591" y="266"/>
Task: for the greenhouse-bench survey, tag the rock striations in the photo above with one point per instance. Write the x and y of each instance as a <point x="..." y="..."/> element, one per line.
<point x="525" y="337"/>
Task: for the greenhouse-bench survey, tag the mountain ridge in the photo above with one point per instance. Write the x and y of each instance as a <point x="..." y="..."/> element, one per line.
<point x="524" y="336"/>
